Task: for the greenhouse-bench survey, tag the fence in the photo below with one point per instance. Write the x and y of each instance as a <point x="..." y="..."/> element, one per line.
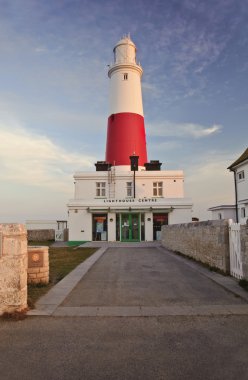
<point x="236" y="267"/>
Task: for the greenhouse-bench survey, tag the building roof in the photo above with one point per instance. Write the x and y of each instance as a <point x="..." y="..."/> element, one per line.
<point x="242" y="158"/>
<point x="221" y="207"/>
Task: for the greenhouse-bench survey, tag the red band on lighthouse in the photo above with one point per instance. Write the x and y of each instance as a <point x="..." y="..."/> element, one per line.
<point x="126" y="136"/>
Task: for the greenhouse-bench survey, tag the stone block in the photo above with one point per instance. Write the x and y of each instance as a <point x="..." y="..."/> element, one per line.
<point x="13" y="267"/>
<point x="32" y="275"/>
<point x="33" y="270"/>
<point x="38" y="263"/>
<point x="44" y="270"/>
<point x="40" y="275"/>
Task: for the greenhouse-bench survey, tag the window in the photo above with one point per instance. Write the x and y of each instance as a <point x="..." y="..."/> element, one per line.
<point x="242" y="212"/>
<point x="101" y="189"/>
<point x="157" y="189"/>
<point x="219" y="215"/>
<point x="125" y="76"/>
<point x="129" y="189"/>
<point x="240" y="175"/>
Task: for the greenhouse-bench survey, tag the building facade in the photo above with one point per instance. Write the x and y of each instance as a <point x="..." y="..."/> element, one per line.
<point x="127" y="198"/>
<point x="240" y="171"/>
<point x="223" y="212"/>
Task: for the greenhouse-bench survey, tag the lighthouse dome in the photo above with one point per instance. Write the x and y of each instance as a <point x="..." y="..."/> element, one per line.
<point x="125" y="40"/>
<point x="125" y="51"/>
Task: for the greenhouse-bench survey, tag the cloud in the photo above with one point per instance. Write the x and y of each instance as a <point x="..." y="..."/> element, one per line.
<point x="149" y="87"/>
<point x="41" y="49"/>
<point x="170" y="129"/>
<point x="34" y="160"/>
<point x="188" y="40"/>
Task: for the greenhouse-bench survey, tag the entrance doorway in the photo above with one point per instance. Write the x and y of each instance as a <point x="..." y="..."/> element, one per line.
<point x="159" y="220"/>
<point x="99" y="227"/>
<point x="130" y="227"/>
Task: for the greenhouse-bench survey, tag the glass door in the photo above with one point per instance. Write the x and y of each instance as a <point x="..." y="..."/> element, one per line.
<point x="125" y="227"/>
<point x="130" y="227"/>
<point x="135" y="230"/>
<point x="99" y="227"/>
<point x="159" y="220"/>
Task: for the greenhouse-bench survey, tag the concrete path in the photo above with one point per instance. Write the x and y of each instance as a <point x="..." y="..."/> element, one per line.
<point x="142" y="280"/>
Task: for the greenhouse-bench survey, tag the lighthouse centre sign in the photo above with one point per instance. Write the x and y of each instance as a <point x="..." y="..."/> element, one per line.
<point x="147" y="200"/>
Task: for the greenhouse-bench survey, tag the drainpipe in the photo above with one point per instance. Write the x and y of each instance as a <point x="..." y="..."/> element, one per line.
<point x="236" y="196"/>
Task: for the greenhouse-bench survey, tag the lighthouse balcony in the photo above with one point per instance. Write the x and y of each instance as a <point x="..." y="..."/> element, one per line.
<point x="125" y="66"/>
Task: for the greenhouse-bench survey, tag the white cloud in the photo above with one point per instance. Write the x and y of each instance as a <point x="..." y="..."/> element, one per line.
<point x="167" y="128"/>
<point x="34" y="160"/>
<point x="151" y="88"/>
<point x="41" y="49"/>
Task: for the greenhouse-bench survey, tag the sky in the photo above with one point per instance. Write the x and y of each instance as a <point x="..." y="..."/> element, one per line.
<point x="54" y="93"/>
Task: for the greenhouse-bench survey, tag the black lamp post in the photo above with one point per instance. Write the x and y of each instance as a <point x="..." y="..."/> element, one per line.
<point x="134" y="167"/>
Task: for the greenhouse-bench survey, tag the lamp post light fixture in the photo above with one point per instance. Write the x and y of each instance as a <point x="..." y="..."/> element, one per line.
<point x="134" y="162"/>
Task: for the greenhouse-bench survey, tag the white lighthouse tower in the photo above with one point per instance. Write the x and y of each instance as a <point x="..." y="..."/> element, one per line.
<point x="126" y="129"/>
<point x="121" y="201"/>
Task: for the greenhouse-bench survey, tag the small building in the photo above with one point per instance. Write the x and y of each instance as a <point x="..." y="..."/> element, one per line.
<point x="44" y="224"/>
<point x="223" y="212"/>
<point x="47" y="229"/>
<point x="127" y="198"/>
<point x="240" y="171"/>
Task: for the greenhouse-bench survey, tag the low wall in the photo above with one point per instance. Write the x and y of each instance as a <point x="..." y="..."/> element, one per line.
<point x="38" y="265"/>
<point x="41" y="235"/>
<point x="207" y="242"/>
<point x="244" y="249"/>
<point x="13" y="268"/>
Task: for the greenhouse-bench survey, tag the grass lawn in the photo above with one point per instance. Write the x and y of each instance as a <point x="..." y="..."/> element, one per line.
<point x="62" y="260"/>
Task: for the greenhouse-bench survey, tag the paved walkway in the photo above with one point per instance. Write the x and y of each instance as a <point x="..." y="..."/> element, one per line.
<point x="142" y="279"/>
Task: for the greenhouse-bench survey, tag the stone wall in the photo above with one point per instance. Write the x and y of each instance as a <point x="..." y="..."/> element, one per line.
<point x="41" y="235"/>
<point x="38" y="265"/>
<point x="13" y="268"/>
<point x="207" y="242"/>
<point x="244" y="249"/>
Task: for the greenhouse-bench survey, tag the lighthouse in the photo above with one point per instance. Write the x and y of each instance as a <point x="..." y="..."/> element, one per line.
<point x="122" y="200"/>
<point x="126" y="129"/>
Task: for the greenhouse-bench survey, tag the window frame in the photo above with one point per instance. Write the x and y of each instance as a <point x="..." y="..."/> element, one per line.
<point x="157" y="189"/>
<point x="129" y="187"/>
<point x="101" y="189"/>
<point x="240" y="175"/>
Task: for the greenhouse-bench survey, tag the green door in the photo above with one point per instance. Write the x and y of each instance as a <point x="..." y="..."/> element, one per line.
<point x="130" y="227"/>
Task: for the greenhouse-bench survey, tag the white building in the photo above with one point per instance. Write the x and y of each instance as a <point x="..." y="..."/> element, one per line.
<point x="59" y="227"/>
<point x="45" y="224"/>
<point x="118" y="202"/>
<point x="223" y="212"/>
<point x="240" y="171"/>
